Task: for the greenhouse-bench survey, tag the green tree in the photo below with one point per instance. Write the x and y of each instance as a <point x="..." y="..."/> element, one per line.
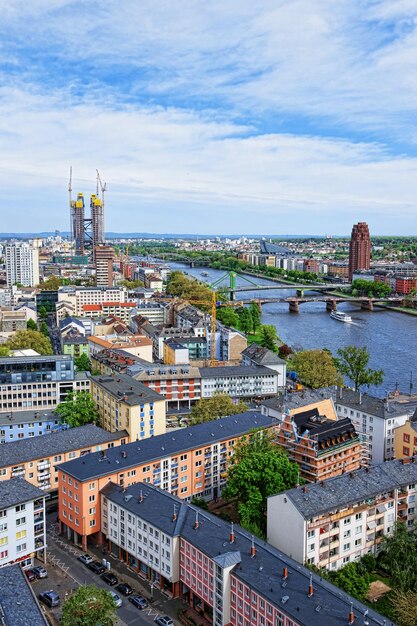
<point x="31" y="324"/>
<point x="259" y="468"/>
<point x="228" y="317"/>
<point x="351" y="580"/>
<point x="399" y="558"/>
<point x="30" y="339"/>
<point x="316" y="368"/>
<point x="78" y="409"/>
<point x="269" y="337"/>
<point x="88" y="606"/>
<point x="44" y="329"/>
<point x="246" y="321"/>
<point x="82" y="363"/>
<point x="404" y="607"/>
<point x="43" y="312"/>
<point x="353" y="363"/>
<point x="4" y="350"/>
<point x="255" y="311"/>
<point x="219" y="405"/>
<point x="131" y="284"/>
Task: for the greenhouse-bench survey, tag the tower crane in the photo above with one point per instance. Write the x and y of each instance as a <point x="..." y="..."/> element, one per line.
<point x="103" y="188"/>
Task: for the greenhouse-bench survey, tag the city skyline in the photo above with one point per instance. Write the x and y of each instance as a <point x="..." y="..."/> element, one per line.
<point x="218" y="120"/>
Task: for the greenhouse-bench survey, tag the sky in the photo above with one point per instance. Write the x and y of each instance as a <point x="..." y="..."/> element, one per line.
<point x="211" y="117"/>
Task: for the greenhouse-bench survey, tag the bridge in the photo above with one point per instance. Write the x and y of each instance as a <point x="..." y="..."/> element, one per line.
<point x="331" y="302"/>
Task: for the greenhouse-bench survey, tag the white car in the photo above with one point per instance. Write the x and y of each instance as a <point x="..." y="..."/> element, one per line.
<point x="116" y="599"/>
<point x="163" y="620"/>
<point x="85" y="559"/>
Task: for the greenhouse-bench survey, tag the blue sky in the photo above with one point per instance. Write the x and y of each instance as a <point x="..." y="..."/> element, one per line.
<point x="220" y="117"/>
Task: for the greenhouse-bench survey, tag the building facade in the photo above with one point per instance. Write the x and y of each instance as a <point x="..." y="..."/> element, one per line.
<point x="22" y="523"/>
<point x="22" y="264"/>
<point x="331" y="523"/>
<point x="77" y="297"/>
<point x="238" y="381"/>
<point x="359" y="248"/>
<point x="15" y="425"/>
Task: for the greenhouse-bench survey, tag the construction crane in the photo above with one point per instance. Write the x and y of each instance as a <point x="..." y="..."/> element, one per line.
<point x="70" y="203"/>
<point x="103" y="188"/>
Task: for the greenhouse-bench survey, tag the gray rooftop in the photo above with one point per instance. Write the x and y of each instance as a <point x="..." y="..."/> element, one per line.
<point x="347" y="489"/>
<point x="127" y="388"/>
<point x="365" y="403"/>
<point x="236" y="371"/>
<point x="261" y="355"/>
<point x="18" y="604"/>
<point x="8" y="418"/>
<point x="169" y="444"/>
<point x="297" y="399"/>
<point x="18" y="452"/>
<point x="17" y="490"/>
<point x="263" y="572"/>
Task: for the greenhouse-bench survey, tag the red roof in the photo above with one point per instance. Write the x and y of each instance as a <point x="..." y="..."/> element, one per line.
<point x="92" y="307"/>
<point x="119" y="303"/>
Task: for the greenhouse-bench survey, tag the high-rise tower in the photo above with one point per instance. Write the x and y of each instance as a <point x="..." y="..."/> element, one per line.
<point x="87" y="232"/>
<point x="359" y="248"/>
<point x="22" y="264"/>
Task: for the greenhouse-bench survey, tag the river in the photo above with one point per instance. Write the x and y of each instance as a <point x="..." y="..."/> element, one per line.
<point x="391" y="338"/>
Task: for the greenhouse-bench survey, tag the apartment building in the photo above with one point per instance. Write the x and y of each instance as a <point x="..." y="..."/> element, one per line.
<point x="298" y="401"/>
<point x="154" y="312"/>
<point x="138" y="345"/>
<point x="15" y="425"/>
<point x="375" y="418"/>
<point x="180" y="385"/>
<point x="36" y="459"/>
<point x="238" y="381"/>
<point x="224" y="573"/>
<point x="321" y="447"/>
<point x="38" y="382"/>
<point x="339" y="520"/>
<point x="22" y="264"/>
<point x="259" y="356"/>
<point x="111" y="361"/>
<point x="188" y="462"/>
<point x="125" y="404"/>
<point x="405" y="438"/>
<point x="77" y="297"/>
<point x="230" y="344"/>
<point x="14" y="584"/>
<point x="190" y="318"/>
<point x="22" y="523"/>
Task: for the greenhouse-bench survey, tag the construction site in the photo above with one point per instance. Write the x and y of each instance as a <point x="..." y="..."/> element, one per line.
<point x="87" y="232"/>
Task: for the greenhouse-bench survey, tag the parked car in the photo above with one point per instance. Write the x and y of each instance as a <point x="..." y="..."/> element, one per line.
<point x="50" y="598"/>
<point x="109" y="578"/>
<point x="30" y="574"/>
<point x="86" y="559"/>
<point x="125" y="589"/>
<point x="138" y="601"/>
<point x="116" y="599"/>
<point x="96" y="567"/>
<point x="163" y="620"/>
<point x="40" y="572"/>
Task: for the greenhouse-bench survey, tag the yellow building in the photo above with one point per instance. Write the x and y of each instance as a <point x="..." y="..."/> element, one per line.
<point x="405" y="439"/>
<point x="124" y="403"/>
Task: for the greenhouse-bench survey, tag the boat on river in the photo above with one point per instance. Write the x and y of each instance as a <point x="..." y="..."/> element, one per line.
<point x="204" y="273"/>
<point x="341" y="317"/>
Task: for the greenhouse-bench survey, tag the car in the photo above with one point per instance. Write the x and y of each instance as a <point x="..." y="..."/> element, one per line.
<point x="50" y="598"/>
<point x="96" y="567"/>
<point x="138" y="601"/>
<point x="30" y="574"/>
<point x="86" y="559"/>
<point x="109" y="578"/>
<point x="163" y="620"/>
<point x="116" y="599"/>
<point x="40" y="572"/>
<point x="125" y="589"/>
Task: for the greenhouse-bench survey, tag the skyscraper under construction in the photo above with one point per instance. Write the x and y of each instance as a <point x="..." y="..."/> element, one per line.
<point x="87" y="232"/>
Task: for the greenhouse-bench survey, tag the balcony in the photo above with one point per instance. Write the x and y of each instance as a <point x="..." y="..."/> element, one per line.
<point x="38" y="519"/>
<point x="174" y="465"/>
<point x="39" y="544"/>
<point x="39" y="530"/>
<point x="402" y="506"/>
<point x="45" y="486"/>
<point x="43" y="477"/>
<point x="18" y="472"/>
<point x="43" y="466"/>
<point x="207" y="464"/>
<point x="174" y="476"/>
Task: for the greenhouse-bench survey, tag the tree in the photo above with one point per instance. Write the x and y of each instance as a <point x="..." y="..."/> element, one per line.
<point x="246" y="321"/>
<point x="269" y="337"/>
<point x="30" y="339"/>
<point x="351" y="580"/>
<point x="131" y="284"/>
<point x="88" y="606"/>
<point x="255" y="311"/>
<point x="228" y="317"/>
<point x="82" y="363"/>
<point x="259" y="468"/>
<point x="78" y="409"/>
<point x="404" y="607"/>
<point x="43" y="312"/>
<point x="285" y="351"/>
<point x="219" y="405"/>
<point x="353" y="363"/>
<point x="31" y="324"/>
<point x="4" y="350"/>
<point x="316" y="368"/>
<point x="44" y="329"/>
<point x="399" y="558"/>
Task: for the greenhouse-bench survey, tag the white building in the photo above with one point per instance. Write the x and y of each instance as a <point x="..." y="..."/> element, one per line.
<point x="22" y="264"/>
<point x="238" y="381"/>
<point x="376" y="418"/>
<point x="257" y="355"/>
<point x="339" y="520"/>
<point x="77" y="297"/>
<point x="22" y="523"/>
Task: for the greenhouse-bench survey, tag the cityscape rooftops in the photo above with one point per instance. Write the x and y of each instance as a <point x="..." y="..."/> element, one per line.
<point x="161" y="446"/>
<point x="127" y="389"/>
<point x="298" y="399"/>
<point x="8" y="418"/>
<point x="341" y="491"/>
<point x="236" y="371"/>
<point x="325" y="431"/>
<point x="18" y="605"/>
<point x="17" y="490"/>
<point x="261" y="355"/>
<point x="255" y="562"/>
<point x="379" y="407"/>
<point x="23" y="450"/>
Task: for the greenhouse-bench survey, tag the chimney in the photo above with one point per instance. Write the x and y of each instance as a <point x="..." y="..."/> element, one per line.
<point x="252" y="548"/>
<point x="360" y="398"/>
<point x="232" y="534"/>
<point x="305" y="489"/>
<point x="351" y="615"/>
<point x="285" y="573"/>
<point x="196" y="524"/>
<point x="174" y="517"/>
<point x="141" y="496"/>
<point x="310" y="587"/>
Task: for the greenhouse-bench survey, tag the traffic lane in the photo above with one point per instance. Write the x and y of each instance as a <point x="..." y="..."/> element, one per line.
<point x="84" y="576"/>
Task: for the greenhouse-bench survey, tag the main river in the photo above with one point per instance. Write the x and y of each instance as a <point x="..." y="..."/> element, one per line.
<point x="391" y="338"/>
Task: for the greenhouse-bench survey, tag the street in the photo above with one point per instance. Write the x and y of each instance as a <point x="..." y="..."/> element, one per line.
<point x="66" y="573"/>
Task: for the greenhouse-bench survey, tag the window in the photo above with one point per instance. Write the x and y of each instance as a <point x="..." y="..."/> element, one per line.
<point x="20" y="507"/>
<point x="346" y="521"/>
<point x="92" y="522"/>
<point x="93" y="510"/>
<point x="21" y="534"/>
<point x="406" y="451"/>
<point x="406" y="438"/>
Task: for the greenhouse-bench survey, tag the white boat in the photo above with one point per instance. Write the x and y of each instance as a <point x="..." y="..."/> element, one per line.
<point x="341" y="317"/>
<point x="204" y="274"/>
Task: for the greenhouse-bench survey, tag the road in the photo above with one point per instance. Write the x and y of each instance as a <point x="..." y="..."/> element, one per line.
<point x="63" y="556"/>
